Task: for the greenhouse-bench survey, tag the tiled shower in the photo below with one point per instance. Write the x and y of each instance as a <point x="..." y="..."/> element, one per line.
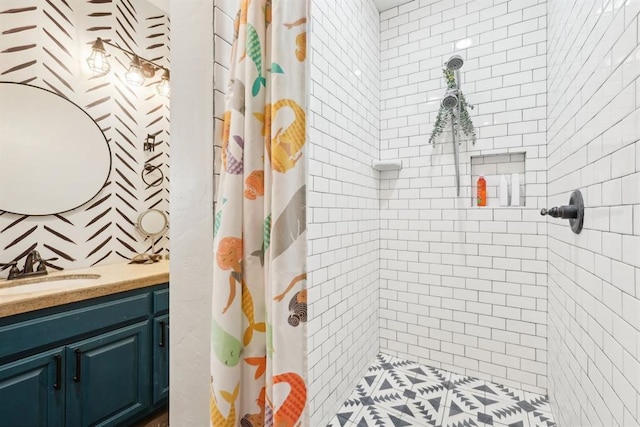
<point x="403" y="269"/>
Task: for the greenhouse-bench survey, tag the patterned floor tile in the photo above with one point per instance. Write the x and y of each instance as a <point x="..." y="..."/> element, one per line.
<point x="428" y="373"/>
<point x="350" y="408"/>
<point x="368" y="383"/>
<point x="340" y="420"/>
<point x="540" y="401"/>
<point x="385" y="362"/>
<point x="512" y="415"/>
<point x="503" y="410"/>
<point x="461" y="400"/>
<point x="375" y="416"/>
<point x="541" y="419"/>
<point x="466" y="382"/>
<point x="455" y="417"/>
<point x="426" y="412"/>
<point x="501" y="392"/>
<point x="400" y="380"/>
<point x="382" y="398"/>
<point x="430" y="391"/>
<point x="399" y="393"/>
<point x="532" y="408"/>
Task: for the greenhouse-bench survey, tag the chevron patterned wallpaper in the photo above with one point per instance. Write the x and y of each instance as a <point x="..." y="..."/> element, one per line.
<point x="45" y="43"/>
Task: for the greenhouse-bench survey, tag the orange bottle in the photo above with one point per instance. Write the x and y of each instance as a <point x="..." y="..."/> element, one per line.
<point x="482" y="191"/>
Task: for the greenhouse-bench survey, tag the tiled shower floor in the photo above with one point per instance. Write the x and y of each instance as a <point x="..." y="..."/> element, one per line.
<point x="398" y="393"/>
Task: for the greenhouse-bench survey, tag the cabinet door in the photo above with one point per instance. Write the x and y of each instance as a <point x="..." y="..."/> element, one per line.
<point x="160" y="358"/>
<point x="108" y="377"/>
<point x="32" y="391"/>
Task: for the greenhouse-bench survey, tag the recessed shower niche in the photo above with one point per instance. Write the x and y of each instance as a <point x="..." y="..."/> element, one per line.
<point x="493" y="167"/>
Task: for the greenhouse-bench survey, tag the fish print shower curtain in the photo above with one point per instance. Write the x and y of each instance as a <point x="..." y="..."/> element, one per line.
<point x="258" y="343"/>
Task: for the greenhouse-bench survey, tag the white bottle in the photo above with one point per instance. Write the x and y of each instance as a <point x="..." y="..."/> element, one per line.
<point x="504" y="191"/>
<point x="515" y="189"/>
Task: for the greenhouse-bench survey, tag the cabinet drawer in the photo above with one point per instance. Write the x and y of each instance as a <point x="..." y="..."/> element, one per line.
<point x="161" y="301"/>
<point x="45" y="330"/>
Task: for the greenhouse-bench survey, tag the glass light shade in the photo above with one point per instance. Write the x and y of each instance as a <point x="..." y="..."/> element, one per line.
<point x="98" y="62"/>
<point x="134" y="75"/>
<point x="164" y="87"/>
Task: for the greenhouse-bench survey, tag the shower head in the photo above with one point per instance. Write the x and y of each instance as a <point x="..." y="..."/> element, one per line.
<point x="450" y="100"/>
<point x="454" y="63"/>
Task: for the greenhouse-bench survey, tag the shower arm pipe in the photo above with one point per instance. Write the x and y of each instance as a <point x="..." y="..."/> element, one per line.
<point x="132" y="54"/>
<point x="456" y="150"/>
<point x="454" y="64"/>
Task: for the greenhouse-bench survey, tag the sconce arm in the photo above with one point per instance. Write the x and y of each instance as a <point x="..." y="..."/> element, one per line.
<point x="132" y="54"/>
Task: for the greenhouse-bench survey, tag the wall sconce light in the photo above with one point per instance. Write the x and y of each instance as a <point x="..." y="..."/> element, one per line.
<point x="98" y="60"/>
<point x="164" y="88"/>
<point x="134" y="75"/>
<point x="139" y="68"/>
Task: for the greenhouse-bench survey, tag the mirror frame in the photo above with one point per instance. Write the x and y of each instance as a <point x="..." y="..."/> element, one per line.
<point x="147" y="212"/>
<point x="106" y="141"/>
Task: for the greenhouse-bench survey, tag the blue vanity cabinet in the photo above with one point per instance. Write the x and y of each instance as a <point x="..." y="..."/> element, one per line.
<point x="31" y="391"/>
<point x="160" y="358"/>
<point x="160" y="346"/>
<point x="108" y="376"/>
<point x="99" y="362"/>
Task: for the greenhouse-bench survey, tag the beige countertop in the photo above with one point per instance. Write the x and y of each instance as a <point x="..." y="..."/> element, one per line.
<point x="63" y="287"/>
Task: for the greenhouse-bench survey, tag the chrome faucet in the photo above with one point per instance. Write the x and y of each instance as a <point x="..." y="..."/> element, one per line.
<point x="32" y="258"/>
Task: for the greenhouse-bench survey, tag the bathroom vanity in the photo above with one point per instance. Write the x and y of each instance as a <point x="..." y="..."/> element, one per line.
<point x="92" y="349"/>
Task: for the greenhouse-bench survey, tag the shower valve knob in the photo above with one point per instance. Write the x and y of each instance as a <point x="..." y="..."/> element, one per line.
<point x="574" y="211"/>
<point x="564" y="212"/>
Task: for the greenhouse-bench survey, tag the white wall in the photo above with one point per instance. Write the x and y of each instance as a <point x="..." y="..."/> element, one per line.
<point x="342" y="198"/>
<point x="191" y="268"/>
<point x="464" y="288"/>
<point x="594" y="277"/>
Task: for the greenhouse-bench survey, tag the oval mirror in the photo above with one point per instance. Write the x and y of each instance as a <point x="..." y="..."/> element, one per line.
<point x="53" y="156"/>
<point x="152" y="223"/>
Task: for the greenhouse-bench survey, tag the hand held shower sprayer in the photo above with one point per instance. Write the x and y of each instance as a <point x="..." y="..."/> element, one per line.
<point x="451" y="102"/>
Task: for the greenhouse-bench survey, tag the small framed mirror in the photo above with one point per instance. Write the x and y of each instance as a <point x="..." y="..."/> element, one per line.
<point x="152" y="223"/>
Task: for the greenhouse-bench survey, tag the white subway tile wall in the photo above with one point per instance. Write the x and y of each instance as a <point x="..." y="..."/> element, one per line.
<point x="342" y="214"/>
<point x="594" y="278"/>
<point x="463" y="288"/>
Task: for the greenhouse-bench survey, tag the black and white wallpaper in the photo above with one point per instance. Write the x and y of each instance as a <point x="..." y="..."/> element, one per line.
<point x="45" y="43"/>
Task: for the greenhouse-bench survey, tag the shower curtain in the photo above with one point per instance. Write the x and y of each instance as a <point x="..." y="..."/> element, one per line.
<point x="258" y="342"/>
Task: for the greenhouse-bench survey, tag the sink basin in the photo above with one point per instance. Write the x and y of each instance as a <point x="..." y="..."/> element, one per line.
<point x="47" y="283"/>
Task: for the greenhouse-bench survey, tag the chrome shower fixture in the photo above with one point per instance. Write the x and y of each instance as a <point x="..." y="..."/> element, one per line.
<point x="450" y="100"/>
<point x="452" y="103"/>
<point x="454" y="63"/>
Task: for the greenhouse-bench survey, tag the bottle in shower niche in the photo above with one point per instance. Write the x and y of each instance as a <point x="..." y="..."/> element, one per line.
<point x="504" y="191"/>
<point x="482" y="191"/>
<point x="515" y="189"/>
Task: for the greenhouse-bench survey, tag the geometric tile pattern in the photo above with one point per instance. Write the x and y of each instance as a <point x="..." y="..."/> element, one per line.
<point x="396" y="393"/>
